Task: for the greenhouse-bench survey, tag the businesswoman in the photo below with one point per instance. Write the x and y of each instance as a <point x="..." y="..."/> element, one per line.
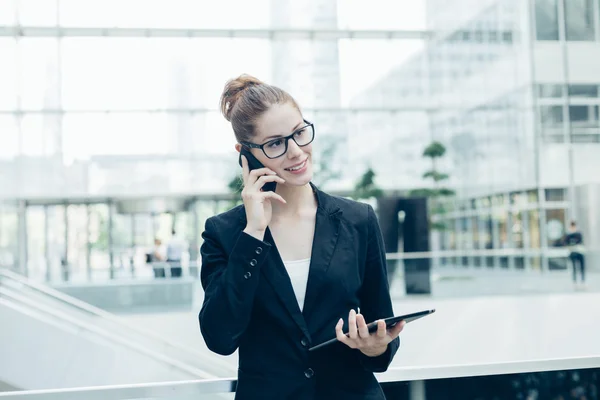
<point x="292" y="268"/>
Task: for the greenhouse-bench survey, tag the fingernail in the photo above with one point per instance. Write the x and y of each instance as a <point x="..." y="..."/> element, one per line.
<point x="341" y="321"/>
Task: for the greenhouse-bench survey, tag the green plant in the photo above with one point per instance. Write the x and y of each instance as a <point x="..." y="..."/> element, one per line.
<point x="235" y="186"/>
<point x="434" y="151"/>
<point x="365" y="187"/>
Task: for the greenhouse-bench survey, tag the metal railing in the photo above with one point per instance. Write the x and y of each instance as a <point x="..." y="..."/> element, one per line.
<point x="203" y="389"/>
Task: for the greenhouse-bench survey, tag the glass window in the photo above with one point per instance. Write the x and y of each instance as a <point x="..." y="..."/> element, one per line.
<point x="7" y="12"/>
<point x="555" y="226"/>
<point x="555" y="195"/>
<point x="8" y="73"/>
<point x="583" y="90"/>
<point x="584" y="119"/>
<point x="546" y="19"/>
<point x="551" y="119"/>
<point x="579" y="16"/>
<point x="548" y="90"/>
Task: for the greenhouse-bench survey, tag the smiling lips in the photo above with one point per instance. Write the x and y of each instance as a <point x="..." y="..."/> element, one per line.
<point x="298" y="167"/>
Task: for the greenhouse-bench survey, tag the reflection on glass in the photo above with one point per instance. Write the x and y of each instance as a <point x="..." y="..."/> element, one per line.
<point x="78" y="241"/>
<point x="550" y="90"/>
<point x="546" y="19"/>
<point x="36" y="242"/>
<point x="99" y="240"/>
<point x="552" y="120"/>
<point x="555" y="226"/>
<point x="8" y="235"/>
<point x="584" y="119"/>
<point x="57" y="247"/>
<point x="535" y="241"/>
<point x="579" y="15"/>
<point x="583" y="91"/>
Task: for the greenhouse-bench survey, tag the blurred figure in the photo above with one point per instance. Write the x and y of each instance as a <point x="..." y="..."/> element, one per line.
<point x="156" y="257"/>
<point x="574" y="241"/>
<point x="175" y="249"/>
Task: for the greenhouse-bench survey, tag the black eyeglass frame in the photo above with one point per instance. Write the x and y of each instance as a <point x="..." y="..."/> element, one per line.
<point x="285" y="138"/>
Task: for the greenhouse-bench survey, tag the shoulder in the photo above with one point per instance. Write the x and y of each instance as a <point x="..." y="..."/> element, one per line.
<point x="352" y="211"/>
<point x="227" y="221"/>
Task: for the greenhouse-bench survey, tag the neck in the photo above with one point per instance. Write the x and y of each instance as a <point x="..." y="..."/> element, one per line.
<point x="298" y="198"/>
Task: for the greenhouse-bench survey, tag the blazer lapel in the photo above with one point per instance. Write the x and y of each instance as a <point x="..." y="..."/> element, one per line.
<point x="277" y="275"/>
<point x="325" y="239"/>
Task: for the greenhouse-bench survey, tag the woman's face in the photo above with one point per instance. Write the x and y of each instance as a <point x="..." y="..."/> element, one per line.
<point x="278" y="121"/>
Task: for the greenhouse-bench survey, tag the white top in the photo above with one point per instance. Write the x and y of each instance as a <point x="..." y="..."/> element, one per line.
<point x="298" y="272"/>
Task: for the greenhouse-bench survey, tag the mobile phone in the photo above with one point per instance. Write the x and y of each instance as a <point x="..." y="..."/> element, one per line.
<point x="253" y="163"/>
<point x="389" y="323"/>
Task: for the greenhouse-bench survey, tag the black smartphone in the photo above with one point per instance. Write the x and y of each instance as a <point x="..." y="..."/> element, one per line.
<point x="253" y="163"/>
<point x="389" y="323"/>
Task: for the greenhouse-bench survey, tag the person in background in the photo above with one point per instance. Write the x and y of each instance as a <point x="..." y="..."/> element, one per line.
<point x="175" y="249"/>
<point x="157" y="256"/>
<point x="574" y="241"/>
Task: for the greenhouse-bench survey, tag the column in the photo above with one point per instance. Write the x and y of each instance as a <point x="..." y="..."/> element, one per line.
<point x="22" y="237"/>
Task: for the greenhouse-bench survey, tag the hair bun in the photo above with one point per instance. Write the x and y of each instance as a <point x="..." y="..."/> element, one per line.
<point x="233" y="90"/>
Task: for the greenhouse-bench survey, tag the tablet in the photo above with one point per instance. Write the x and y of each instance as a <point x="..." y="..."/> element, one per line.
<point x="389" y="323"/>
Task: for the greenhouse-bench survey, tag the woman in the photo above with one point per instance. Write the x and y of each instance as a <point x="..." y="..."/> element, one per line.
<point x="292" y="268"/>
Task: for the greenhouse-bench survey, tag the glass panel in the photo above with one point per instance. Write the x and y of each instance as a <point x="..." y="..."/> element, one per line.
<point x="38" y="12"/>
<point x="10" y="140"/>
<point x="99" y="257"/>
<point x="583" y="91"/>
<point x="8" y="73"/>
<point x="584" y="119"/>
<point x="579" y="15"/>
<point x="535" y="241"/>
<point x="56" y="242"/>
<point x="546" y="19"/>
<point x="555" y="226"/>
<point x="168" y="13"/>
<point x="550" y="91"/>
<point x="7" y="12"/>
<point x="555" y="194"/>
<point x="39" y="71"/>
<point x="77" y="254"/>
<point x="162" y="73"/>
<point x="8" y="235"/>
<point x="36" y="242"/>
<point x="552" y="120"/>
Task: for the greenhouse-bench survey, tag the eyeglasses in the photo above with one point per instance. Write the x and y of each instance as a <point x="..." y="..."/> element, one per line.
<point x="277" y="147"/>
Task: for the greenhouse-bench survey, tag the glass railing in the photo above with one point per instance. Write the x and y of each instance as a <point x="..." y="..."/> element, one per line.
<point x="567" y="378"/>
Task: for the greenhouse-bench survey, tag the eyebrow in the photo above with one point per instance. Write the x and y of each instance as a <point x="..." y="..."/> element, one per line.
<point x="278" y="136"/>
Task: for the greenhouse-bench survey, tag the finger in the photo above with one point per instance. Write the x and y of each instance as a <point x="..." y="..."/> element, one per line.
<point x="395" y="331"/>
<point x="352" y="332"/>
<point x="260" y="182"/>
<point x="363" y="330"/>
<point x="339" y="334"/>
<point x="257" y="173"/>
<point x="273" y="196"/>
<point x="381" y="329"/>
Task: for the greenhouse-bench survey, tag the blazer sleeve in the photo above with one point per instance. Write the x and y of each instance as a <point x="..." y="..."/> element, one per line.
<point x="229" y="280"/>
<point x="375" y="293"/>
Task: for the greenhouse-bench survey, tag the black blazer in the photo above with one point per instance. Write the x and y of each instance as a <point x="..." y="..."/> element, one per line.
<point x="249" y="304"/>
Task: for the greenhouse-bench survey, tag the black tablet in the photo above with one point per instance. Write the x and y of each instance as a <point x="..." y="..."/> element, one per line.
<point x="389" y="322"/>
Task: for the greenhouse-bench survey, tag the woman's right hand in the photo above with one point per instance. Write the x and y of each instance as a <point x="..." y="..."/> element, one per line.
<point x="256" y="202"/>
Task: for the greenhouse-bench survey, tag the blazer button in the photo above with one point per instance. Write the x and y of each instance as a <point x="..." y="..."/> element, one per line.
<point x="309" y="373"/>
<point x="258" y="250"/>
<point x="253" y="263"/>
<point x="304" y="342"/>
<point x="247" y="275"/>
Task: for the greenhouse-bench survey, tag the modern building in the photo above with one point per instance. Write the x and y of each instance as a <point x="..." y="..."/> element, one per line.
<point x="511" y="89"/>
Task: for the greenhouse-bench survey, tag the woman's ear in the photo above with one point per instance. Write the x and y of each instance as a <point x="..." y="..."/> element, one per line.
<point x="238" y="147"/>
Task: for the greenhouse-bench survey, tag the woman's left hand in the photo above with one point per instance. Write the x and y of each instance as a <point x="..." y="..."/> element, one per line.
<point x="371" y="344"/>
